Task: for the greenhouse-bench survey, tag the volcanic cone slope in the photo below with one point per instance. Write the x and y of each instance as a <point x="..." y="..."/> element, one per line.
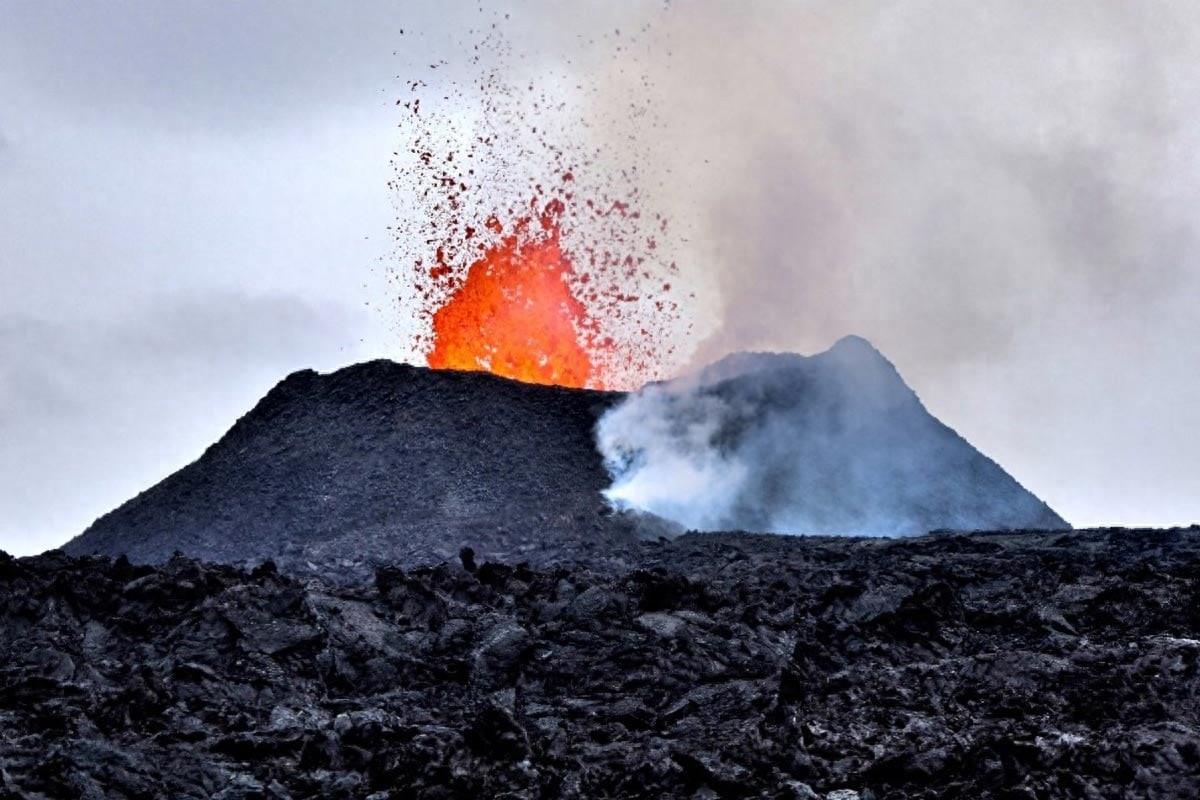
<point x="386" y="462"/>
<point x="378" y="460"/>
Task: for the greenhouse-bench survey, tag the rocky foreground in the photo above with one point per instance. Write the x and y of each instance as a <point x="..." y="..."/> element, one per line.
<point x="1014" y="665"/>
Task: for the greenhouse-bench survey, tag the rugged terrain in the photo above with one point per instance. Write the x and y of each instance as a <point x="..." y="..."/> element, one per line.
<point x="1035" y="665"/>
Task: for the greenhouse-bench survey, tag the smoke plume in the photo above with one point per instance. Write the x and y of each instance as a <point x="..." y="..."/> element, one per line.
<point x="836" y="444"/>
<point x="998" y="194"/>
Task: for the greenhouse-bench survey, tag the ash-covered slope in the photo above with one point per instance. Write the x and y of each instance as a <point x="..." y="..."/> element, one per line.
<point x="834" y="443"/>
<point x="385" y="462"/>
<point x="378" y="460"/>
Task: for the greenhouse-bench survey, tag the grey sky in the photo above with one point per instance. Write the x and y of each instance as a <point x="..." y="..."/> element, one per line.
<point x="1000" y="195"/>
<point x="186" y="193"/>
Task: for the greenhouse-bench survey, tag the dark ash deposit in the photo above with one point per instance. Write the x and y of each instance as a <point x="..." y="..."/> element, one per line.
<point x="714" y="666"/>
<point x="388" y="463"/>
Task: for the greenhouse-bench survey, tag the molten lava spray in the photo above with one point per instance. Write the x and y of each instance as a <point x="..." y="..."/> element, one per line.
<point x="521" y="244"/>
<point x="516" y="316"/>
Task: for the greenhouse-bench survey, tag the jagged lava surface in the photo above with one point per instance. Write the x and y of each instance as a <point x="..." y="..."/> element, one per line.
<point x="1037" y="665"/>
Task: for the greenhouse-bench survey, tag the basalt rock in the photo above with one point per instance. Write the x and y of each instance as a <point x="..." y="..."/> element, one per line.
<point x="712" y="666"/>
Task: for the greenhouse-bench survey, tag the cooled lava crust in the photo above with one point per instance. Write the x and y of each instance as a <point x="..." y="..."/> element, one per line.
<point x="1036" y="665"/>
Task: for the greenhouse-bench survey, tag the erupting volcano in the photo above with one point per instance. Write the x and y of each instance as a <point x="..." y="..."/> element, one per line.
<point x="524" y="248"/>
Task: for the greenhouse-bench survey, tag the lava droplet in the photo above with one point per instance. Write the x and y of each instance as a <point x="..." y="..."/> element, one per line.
<point x="515" y="315"/>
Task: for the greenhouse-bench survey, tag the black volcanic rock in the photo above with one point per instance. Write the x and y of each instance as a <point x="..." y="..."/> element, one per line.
<point x="1030" y="665"/>
<point x="382" y="460"/>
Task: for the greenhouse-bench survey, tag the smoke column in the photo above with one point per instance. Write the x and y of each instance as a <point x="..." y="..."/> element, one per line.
<point x="835" y="444"/>
<point x="1000" y="195"/>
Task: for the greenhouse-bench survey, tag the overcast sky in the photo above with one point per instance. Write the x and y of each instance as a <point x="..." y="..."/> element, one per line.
<point x="1001" y="195"/>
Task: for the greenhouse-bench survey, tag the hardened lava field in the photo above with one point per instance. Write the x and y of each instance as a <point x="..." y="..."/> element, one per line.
<point x="1015" y="665"/>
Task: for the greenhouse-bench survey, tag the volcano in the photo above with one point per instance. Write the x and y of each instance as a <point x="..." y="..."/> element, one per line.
<point x="387" y="462"/>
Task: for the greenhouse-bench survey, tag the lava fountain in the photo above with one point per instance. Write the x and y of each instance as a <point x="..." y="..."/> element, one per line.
<point x="571" y="285"/>
<point x="515" y="314"/>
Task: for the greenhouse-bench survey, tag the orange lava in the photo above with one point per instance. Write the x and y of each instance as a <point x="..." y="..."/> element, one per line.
<point x="515" y="315"/>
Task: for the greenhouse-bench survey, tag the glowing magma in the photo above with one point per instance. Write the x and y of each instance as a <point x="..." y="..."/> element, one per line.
<point x="515" y="315"/>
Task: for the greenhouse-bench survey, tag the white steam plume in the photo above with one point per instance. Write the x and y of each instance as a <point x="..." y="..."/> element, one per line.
<point x="832" y="444"/>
